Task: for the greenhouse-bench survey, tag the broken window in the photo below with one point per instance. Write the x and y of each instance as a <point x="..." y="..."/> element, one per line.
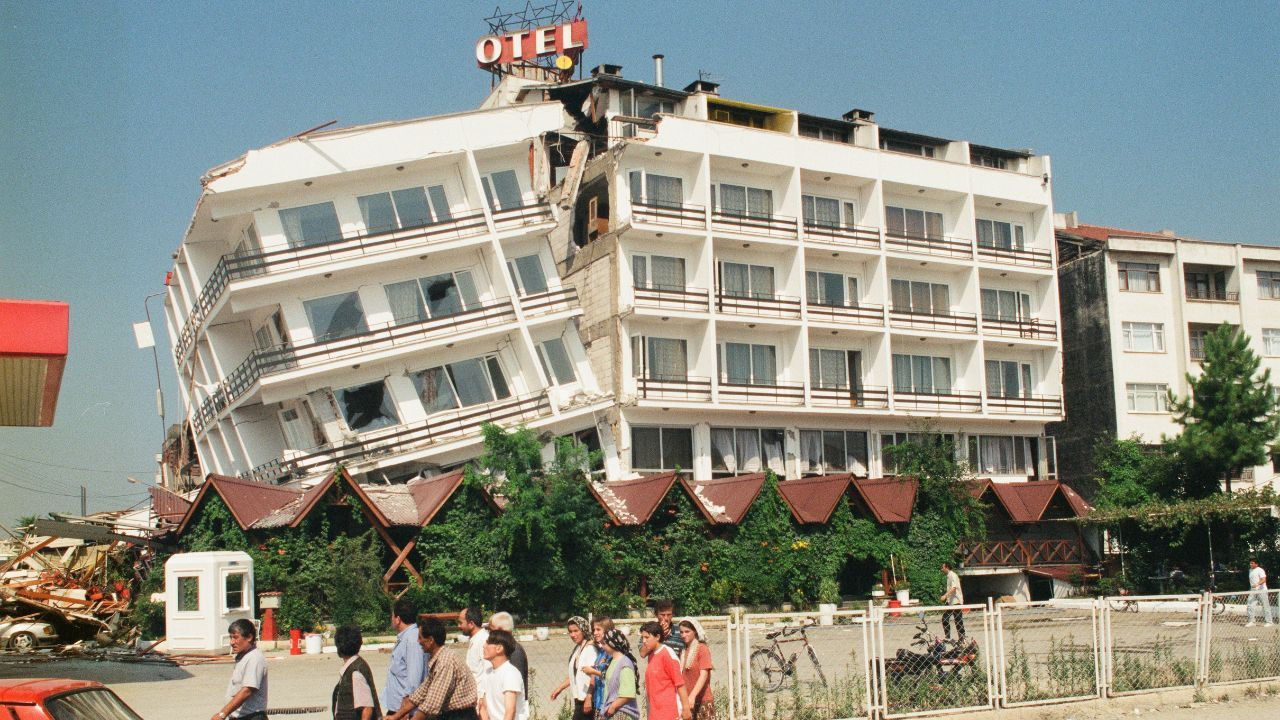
<point x="367" y="407"/>
<point x="430" y="297"/>
<point x="335" y="317"/>
<point x="311" y="225"/>
<point x="461" y="384"/>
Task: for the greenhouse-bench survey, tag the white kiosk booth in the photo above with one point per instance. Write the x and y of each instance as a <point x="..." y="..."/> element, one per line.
<point x="204" y="593"/>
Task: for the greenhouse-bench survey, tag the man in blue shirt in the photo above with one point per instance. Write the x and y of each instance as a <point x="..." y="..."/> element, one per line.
<point x="408" y="661"/>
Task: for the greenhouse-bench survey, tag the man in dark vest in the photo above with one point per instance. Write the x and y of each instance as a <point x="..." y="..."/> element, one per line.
<point x="354" y="697"/>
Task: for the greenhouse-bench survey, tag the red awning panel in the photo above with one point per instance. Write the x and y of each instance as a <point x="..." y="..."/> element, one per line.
<point x="725" y="501"/>
<point x="1077" y="503"/>
<point x="168" y="507"/>
<point x="890" y="499"/>
<point x="414" y="503"/>
<point x="33" y="353"/>
<point x="1025" y="501"/>
<point x="632" y="502"/>
<point x="813" y="499"/>
<point x="248" y="501"/>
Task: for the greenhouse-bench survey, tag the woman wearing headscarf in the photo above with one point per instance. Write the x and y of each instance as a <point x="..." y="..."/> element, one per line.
<point x="599" y="627"/>
<point x="580" y="660"/>
<point x="620" y="684"/>
<point x="695" y="665"/>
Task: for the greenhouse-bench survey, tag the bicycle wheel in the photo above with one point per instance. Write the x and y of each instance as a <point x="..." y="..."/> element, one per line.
<point x="813" y="655"/>
<point x="1219" y="605"/>
<point x="768" y="669"/>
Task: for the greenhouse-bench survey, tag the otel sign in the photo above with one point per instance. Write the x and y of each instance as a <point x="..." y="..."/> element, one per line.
<point x="568" y="39"/>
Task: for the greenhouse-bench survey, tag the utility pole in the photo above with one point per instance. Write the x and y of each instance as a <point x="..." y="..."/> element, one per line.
<point x="84" y="501"/>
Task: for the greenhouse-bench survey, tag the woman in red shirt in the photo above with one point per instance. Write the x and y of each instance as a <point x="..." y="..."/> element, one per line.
<point x="695" y="666"/>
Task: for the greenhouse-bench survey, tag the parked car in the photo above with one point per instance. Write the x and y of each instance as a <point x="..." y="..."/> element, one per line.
<point x="61" y="699"/>
<point x="27" y="635"/>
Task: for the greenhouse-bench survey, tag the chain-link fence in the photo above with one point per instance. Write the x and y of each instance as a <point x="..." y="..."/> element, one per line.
<point x="1151" y="642"/>
<point x="805" y="666"/>
<point x="932" y="660"/>
<point x="1243" y="636"/>
<point x="1047" y="651"/>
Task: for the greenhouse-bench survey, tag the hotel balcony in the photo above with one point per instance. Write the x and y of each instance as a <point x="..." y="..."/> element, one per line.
<point x="862" y="396"/>
<point x="237" y="266"/>
<point x="1028" y="328"/>
<point x="695" y="389"/>
<point x="842" y="236"/>
<point x="772" y="306"/>
<point x="956" y="401"/>
<point x="522" y="216"/>
<point x="678" y="215"/>
<point x="1212" y="295"/>
<point x="439" y="428"/>
<point x="780" y="392"/>
<point x="551" y="301"/>
<point x="1011" y="256"/>
<point x="945" y="246"/>
<point x="673" y="298"/>
<point x="775" y="226"/>
<point x="949" y="322"/>
<point x="1025" y="405"/>
<point x="847" y="314"/>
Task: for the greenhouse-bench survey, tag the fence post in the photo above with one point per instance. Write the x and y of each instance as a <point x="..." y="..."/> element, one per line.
<point x="1105" y="647"/>
<point x="988" y="624"/>
<point x="1098" y="664"/>
<point x="1203" y="639"/>
<point x="1001" y="681"/>
<point x="732" y="633"/>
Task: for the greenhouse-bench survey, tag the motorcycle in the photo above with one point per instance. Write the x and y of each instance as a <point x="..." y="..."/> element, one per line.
<point x="944" y="657"/>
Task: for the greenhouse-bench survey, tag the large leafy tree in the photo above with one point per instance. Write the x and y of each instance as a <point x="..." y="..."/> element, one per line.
<point x="1230" y="417"/>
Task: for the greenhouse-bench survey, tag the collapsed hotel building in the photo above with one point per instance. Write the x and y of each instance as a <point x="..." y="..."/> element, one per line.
<point x="693" y="286"/>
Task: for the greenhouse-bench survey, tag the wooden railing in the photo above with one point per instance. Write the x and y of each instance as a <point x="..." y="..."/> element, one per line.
<point x="853" y="314"/>
<point x="1012" y="256"/>
<point x="673" y="298"/>
<point x="781" y="392"/>
<point x="1022" y="553"/>
<point x="949" y="246"/>
<point x="764" y="305"/>
<point x="842" y="234"/>
<point x="1025" y="405"/>
<point x="694" y="216"/>
<point x="1030" y="328"/>
<point x="674" y="388"/>
<point x="947" y="322"/>
<point x="954" y="401"/>
<point x="863" y="396"/>
<point x="772" y="225"/>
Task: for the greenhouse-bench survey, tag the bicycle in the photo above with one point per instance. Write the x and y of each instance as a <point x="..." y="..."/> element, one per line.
<point x="770" y="667"/>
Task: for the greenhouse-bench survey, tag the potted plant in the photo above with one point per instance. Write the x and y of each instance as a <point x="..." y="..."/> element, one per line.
<point x="902" y="590"/>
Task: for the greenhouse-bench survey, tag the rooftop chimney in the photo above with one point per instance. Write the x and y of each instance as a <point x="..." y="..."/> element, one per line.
<point x="657" y="70"/>
<point x="858" y="114"/>
<point x="704" y="86"/>
<point x="614" y="70"/>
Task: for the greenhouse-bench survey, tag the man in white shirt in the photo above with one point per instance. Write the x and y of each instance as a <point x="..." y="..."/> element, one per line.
<point x="1258" y="593"/>
<point x="500" y="688"/>
<point x="471" y="624"/>
<point x="247" y="691"/>
<point x="953" y="596"/>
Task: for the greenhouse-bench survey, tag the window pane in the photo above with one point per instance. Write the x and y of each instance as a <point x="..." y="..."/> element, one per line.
<point x="933" y="223"/>
<point x="188" y="594"/>
<point x="832" y="289"/>
<point x="506" y="189"/>
<point x="902" y="373"/>
<point x="922" y="374"/>
<point x="640" y="271"/>
<point x="735" y="279"/>
<point x="558" y="360"/>
<point x="901" y="292"/>
<point x="367" y="407"/>
<point x="665" y="190"/>
<point x="498" y="378"/>
<point x="335" y="317"/>
<point x="311" y="224"/>
<point x="668" y="359"/>
<point x="834" y="370"/>
<point x="442" y="295"/>
<point x="233" y="591"/>
<point x="1011" y="378"/>
<point x="439" y="203"/>
<point x="677" y="448"/>
<point x="635" y="179"/>
<point x="759" y="202"/>
<point x="737" y="363"/>
<point x="405" y="300"/>
<point x="995" y="387"/>
<point x="470" y="381"/>
<point x="747" y="445"/>
<point x="942" y="375"/>
<point x="990" y="305"/>
<point x="733" y="199"/>
<point x="434" y="390"/>
<point x="856" y="452"/>
<point x="986" y="236"/>
<point x="668" y="273"/>
<point x="532" y="279"/>
<point x="467" y="289"/>
<point x="761" y="281"/>
<point x="764" y="366"/>
<point x="377" y="212"/>
<point x="412" y="207"/>
<point x="771" y="449"/>
<point x="921" y="297"/>
<point x="915" y="223"/>
<point x="895" y="220"/>
<point x="941" y="299"/>
<point x="646" y="448"/>
<point x="810" y="451"/>
<point x="807" y="209"/>
<point x="833" y="452"/>
<point x="722" y="450"/>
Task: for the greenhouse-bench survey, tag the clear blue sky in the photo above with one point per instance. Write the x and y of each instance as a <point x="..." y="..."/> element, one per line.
<point x="1157" y="115"/>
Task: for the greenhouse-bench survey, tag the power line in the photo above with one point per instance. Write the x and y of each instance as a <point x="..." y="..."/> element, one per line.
<point x="73" y="467"/>
<point x="68" y="495"/>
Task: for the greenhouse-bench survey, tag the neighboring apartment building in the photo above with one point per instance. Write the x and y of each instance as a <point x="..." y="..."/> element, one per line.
<point x="1136" y="307"/>
<point x="682" y="281"/>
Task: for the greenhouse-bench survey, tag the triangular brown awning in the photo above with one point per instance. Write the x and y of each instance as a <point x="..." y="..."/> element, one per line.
<point x="725" y="501"/>
<point x="415" y="503"/>
<point x="1025" y="501"/>
<point x="890" y="499"/>
<point x="813" y="499"/>
<point x="632" y="502"/>
<point x="248" y="501"/>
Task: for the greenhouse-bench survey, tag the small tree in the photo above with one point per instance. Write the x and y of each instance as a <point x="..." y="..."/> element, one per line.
<point x="1230" y="416"/>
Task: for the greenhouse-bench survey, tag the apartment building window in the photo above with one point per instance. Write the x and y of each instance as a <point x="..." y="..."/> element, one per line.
<point x="659" y="358"/>
<point x="643" y="105"/>
<point x="298" y="426"/>
<point x="1008" y="305"/>
<point x="401" y="209"/>
<point x="657" y="272"/>
<point x="746" y="281"/>
<point x="830" y="451"/>
<point x="828" y="212"/>
<point x="473" y="381"/>
<point x="502" y="190"/>
<point x="921" y="374"/>
<point x="335" y="317"/>
<point x="1147" y="397"/>
<point x="1269" y="285"/>
<point x="367" y="407"/>
<point x="1000" y="234"/>
<point x="436" y="296"/>
<point x="555" y="361"/>
<point x="889" y="440"/>
<point x="999" y="455"/>
<point x="747" y="450"/>
<point x="830" y="369"/>
<point x="986" y="160"/>
<point x="653" y="189"/>
<point x="920" y="297"/>
<point x="1195" y="340"/>
<point x="311" y="225"/>
<point x="1143" y="337"/>
<point x="741" y="201"/>
<point x="748" y="364"/>
<point x="526" y="273"/>
<point x="908" y="147"/>
<point x="249" y="242"/>
<point x="1139" y="277"/>
<point x="829" y="289"/>
<point x="1008" y="379"/>
<point x="271" y="333"/>
<point x="1201" y="285"/>
<point x="1271" y="342"/>
<point x="910" y="223"/>
<point x="661" y="448"/>
<point x="822" y="132"/>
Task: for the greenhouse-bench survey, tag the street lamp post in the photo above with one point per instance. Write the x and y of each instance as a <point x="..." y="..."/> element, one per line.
<point x="155" y="357"/>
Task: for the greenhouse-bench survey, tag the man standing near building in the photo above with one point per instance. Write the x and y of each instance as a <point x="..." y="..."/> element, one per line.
<point x="1258" y="593"/>
<point x="501" y="689"/>
<point x="668" y="698"/>
<point x="408" y="662"/>
<point x="449" y="692"/>
<point x="664" y="611"/>
<point x="247" y="691"/>
<point x="952" y="596"/>
<point x="469" y="622"/>
<point x="353" y="695"/>
<point x="518" y="658"/>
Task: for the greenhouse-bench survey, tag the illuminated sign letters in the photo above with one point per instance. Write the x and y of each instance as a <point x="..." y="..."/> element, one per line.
<point x="570" y="38"/>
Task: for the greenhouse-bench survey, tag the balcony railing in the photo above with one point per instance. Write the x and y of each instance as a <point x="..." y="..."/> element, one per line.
<point x="235" y="266"/>
<point x="673" y="298"/>
<point x="515" y="217"/>
<point x="437" y="428"/>
<point x="550" y="301"/>
<point x="965" y="401"/>
<point x="1025" y="404"/>
<point x="842" y="234"/>
<point x="854" y="314"/>
<point x="863" y="396"/>
<point x="949" y="246"/>
<point x="1195" y="295"/>
<point x="779" y="306"/>
<point x="1029" y="328"/>
<point x="946" y="322"/>
<point x="694" y="216"/>
<point x="263" y="362"/>
<point x="623" y="127"/>
<point x="1022" y="553"/>
<point x="781" y="392"/>
<point x="1015" y="256"/>
<point x="760" y="224"/>
<point x="674" y="388"/>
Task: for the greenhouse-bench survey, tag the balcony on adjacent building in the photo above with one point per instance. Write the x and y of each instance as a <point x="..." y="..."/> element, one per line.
<point x="670" y="297"/>
<point x="859" y="396"/>
<point x="685" y="387"/>
<point x="1025" y="404"/>
<point x="676" y="214"/>
<point x="859" y="314"/>
<point x="945" y="322"/>
<point x="955" y="401"/>
<point x="758" y="304"/>
<point x="779" y="392"/>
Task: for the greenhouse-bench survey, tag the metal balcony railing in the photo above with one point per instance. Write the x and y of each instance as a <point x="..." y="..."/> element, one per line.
<point x="841" y="234"/>
<point x="755" y="224"/>
<point x="948" y="246"/>
<point x="862" y="396"/>
<point x="693" y="216"/>
<point x="551" y="301"/>
<point x="780" y="306"/>
<point x="780" y="392"/>
<point x="515" y="217"/>
<point x="851" y="314"/>
<point x="965" y="401"/>
<point x="1030" y="328"/>
<point x="235" y="266"/>
<point x="673" y="298"/>
<point x="674" y="388"/>
<point x="1025" y="404"/>
<point x="1015" y="256"/>
<point x="946" y="322"/>
<point x="1197" y="295"/>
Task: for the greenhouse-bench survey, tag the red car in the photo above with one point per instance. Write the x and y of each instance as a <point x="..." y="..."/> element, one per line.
<point x="60" y="699"/>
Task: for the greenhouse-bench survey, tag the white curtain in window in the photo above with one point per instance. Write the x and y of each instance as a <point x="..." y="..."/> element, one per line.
<point x="668" y="359"/>
<point x="856" y="449"/>
<point x="810" y="451"/>
<point x="771" y="448"/>
<point x="665" y="190"/>
<point x="733" y="199"/>
<point x="405" y="300"/>
<point x="722" y="450"/>
<point x="748" y="450"/>
<point x="668" y="272"/>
